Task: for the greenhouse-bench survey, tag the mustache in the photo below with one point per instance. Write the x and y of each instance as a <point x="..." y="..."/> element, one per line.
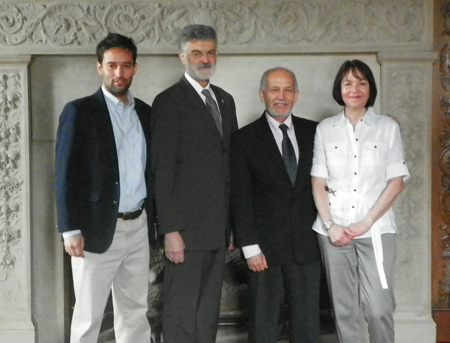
<point x="209" y="66"/>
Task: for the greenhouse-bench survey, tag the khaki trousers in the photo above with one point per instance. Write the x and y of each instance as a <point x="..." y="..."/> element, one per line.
<point x="124" y="269"/>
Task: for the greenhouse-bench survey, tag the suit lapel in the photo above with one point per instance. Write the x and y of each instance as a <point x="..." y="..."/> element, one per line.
<point x="270" y="146"/>
<point x="302" y="160"/>
<point x="199" y="108"/>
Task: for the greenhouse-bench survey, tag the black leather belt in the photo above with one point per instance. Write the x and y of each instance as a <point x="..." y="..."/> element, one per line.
<point x="129" y="215"/>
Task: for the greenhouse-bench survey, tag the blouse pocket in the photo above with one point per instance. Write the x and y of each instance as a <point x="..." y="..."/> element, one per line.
<point x="374" y="153"/>
<point x="336" y="154"/>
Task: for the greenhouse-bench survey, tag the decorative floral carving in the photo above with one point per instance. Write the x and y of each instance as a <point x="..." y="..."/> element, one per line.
<point x="10" y="175"/>
<point x="253" y="23"/>
<point x="406" y="95"/>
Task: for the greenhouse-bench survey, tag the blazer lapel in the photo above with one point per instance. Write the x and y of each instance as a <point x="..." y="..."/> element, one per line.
<point x="105" y="129"/>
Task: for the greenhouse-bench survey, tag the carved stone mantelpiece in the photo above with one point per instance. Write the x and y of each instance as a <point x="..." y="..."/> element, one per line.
<point x="398" y="32"/>
<point x="259" y="26"/>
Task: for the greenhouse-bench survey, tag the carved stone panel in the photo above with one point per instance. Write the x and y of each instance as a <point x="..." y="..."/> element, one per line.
<point x="406" y="95"/>
<point x="15" y="285"/>
<point x="264" y="26"/>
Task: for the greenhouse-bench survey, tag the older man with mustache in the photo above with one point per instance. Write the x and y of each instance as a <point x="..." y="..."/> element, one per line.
<point x="273" y="212"/>
<point x="191" y="126"/>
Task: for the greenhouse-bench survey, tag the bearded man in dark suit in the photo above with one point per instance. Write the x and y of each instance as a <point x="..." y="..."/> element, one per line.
<point x="273" y="212"/>
<point x="191" y="126"/>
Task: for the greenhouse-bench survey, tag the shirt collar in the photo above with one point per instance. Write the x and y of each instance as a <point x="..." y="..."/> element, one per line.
<point x="112" y="101"/>
<point x="276" y="125"/>
<point x="369" y="118"/>
<point x="195" y="84"/>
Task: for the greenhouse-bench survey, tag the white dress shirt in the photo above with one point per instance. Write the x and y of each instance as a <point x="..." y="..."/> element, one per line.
<point x="250" y="251"/>
<point x="357" y="163"/>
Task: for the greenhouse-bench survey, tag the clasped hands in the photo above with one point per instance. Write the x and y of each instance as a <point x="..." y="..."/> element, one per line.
<point x="342" y="236"/>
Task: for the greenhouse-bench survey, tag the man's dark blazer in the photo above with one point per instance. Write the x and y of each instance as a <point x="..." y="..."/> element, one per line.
<point x="266" y="208"/>
<point x="191" y="165"/>
<point x="87" y="171"/>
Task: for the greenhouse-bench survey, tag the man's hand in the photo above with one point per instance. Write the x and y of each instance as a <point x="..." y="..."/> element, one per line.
<point x="74" y="245"/>
<point x="174" y="247"/>
<point x="340" y="236"/>
<point x="257" y="263"/>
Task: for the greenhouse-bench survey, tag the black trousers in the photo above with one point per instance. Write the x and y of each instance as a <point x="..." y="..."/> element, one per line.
<point x="192" y="292"/>
<point x="301" y="284"/>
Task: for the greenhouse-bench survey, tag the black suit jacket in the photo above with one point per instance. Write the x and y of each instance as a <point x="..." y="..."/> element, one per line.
<point x="87" y="171"/>
<point x="266" y="208"/>
<point x="191" y="165"/>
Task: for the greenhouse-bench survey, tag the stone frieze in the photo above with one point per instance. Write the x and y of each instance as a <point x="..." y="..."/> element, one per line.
<point x="292" y="24"/>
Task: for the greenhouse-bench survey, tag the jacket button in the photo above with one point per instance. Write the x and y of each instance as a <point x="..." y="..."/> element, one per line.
<point x="115" y="202"/>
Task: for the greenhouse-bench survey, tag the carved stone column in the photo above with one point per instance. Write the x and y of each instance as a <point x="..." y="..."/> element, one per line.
<point x="405" y="93"/>
<point x="16" y="323"/>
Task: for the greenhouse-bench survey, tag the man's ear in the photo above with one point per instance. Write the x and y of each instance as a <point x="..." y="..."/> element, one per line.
<point x="99" y="68"/>
<point x="261" y="95"/>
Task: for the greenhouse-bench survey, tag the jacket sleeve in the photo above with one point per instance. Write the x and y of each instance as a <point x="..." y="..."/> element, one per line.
<point x="165" y="133"/>
<point x="66" y="178"/>
<point x="241" y="204"/>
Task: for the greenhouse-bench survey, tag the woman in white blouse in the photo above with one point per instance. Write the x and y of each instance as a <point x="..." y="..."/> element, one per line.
<point x="358" y="171"/>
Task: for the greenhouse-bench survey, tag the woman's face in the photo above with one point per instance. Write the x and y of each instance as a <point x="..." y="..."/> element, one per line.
<point x="355" y="90"/>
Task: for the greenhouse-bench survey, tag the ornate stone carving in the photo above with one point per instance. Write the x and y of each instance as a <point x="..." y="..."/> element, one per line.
<point x="405" y="95"/>
<point x="10" y="173"/>
<point x="286" y="23"/>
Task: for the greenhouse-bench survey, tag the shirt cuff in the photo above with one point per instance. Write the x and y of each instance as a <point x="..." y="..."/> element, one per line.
<point x="397" y="170"/>
<point x="319" y="171"/>
<point x="68" y="234"/>
<point x="250" y="251"/>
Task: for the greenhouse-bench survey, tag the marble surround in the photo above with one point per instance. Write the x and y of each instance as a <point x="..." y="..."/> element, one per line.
<point x="46" y="59"/>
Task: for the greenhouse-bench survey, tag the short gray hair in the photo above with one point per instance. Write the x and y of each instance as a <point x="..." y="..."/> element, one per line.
<point x="262" y="85"/>
<point x="196" y="32"/>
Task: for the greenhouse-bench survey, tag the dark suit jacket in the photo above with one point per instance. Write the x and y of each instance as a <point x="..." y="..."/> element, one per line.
<point x="266" y="208"/>
<point x="87" y="171"/>
<point x="191" y="165"/>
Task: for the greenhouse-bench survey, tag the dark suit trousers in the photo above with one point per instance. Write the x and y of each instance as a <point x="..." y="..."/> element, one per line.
<point x="266" y="293"/>
<point x="192" y="292"/>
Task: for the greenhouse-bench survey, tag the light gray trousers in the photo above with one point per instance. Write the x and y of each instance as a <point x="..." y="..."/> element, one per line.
<point x="355" y="287"/>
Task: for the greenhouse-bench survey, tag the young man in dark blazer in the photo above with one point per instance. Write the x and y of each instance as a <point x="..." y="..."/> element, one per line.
<point x="104" y="198"/>
<point x="273" y="212"/>
<point x="190" y="152"/>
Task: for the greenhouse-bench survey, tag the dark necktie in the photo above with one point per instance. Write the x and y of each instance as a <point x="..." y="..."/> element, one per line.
<point x="288" y="154"/>
<point x="212" y="107"/>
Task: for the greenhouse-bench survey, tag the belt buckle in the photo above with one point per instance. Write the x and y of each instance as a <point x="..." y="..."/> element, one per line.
<point x="125" y="215"/>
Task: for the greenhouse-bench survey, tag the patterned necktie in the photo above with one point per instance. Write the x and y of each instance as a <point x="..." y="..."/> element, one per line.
<point x="212" y="107"/>
<point x="288" y="154"/>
